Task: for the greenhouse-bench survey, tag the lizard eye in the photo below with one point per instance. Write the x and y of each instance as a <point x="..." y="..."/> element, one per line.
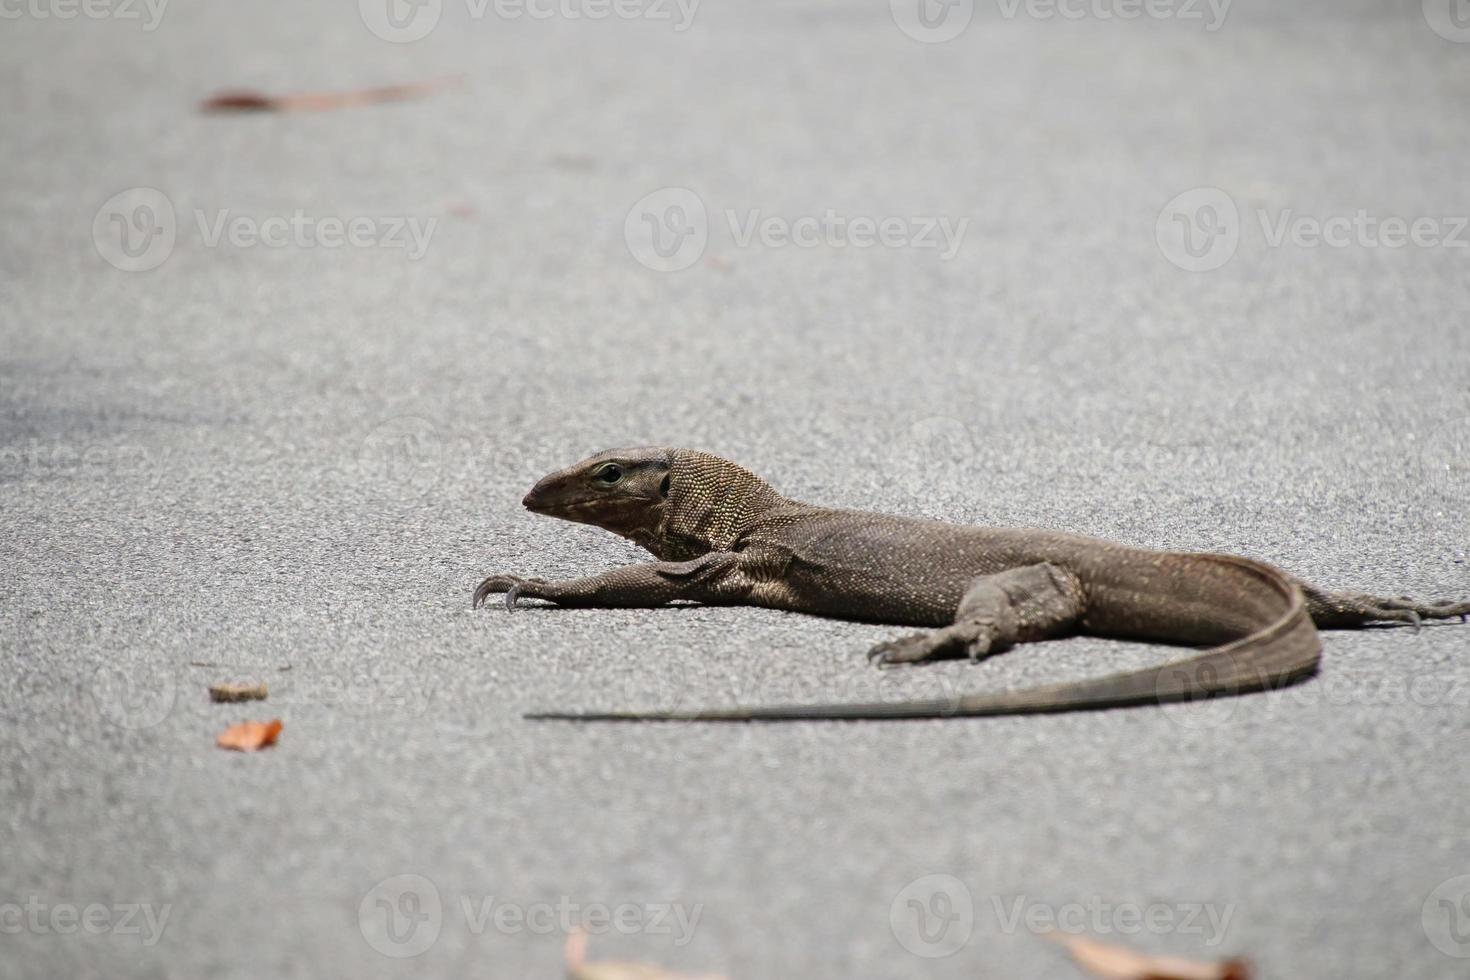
<point x="608" y="473"/>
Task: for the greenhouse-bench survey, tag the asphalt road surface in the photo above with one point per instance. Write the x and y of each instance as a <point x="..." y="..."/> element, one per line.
<point x="272" y="386"/>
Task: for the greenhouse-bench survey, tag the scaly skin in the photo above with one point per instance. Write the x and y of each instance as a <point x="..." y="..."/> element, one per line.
<point x="725" y="537"/>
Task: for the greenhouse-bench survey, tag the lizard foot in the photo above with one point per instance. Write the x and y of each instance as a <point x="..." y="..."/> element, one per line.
<point x="977" y="639"/>
<point x="512" y="585"/>
<point x="1436" y="609"/>
<point x="910" y="649"/>
<point x="1352" y="610"/>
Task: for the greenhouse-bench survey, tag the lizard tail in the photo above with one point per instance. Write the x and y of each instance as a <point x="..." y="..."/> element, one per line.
<point x="1283" y="650"/>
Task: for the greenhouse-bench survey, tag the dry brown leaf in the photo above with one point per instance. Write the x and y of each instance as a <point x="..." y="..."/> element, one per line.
<point x="579" y="969"/>
<point x="1119" y="963"/>
<point x="220" y="693"/>
<point x="247" y="100"/>
<point x="249" y="735"/>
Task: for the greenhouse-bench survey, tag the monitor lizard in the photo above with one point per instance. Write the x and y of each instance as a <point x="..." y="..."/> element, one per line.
<point x="723" y="536"/>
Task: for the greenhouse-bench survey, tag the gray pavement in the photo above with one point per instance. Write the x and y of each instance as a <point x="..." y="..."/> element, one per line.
<point x="305" y="451"/>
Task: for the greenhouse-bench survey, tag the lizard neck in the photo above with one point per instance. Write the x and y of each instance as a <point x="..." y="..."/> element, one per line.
<point x="711" y="503"/>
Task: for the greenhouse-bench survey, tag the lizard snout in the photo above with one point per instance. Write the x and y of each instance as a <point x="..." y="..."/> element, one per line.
<point x="545" y="494"/>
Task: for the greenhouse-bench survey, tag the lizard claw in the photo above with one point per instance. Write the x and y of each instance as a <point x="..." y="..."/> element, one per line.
<point x="904" y="650"/>
<point x="513" y="586"/>
<point x="976" y="639"/>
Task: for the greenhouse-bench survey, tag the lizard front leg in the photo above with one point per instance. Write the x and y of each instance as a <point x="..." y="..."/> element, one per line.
<point x="998" y="611"/>
<point x="712" y="578"/>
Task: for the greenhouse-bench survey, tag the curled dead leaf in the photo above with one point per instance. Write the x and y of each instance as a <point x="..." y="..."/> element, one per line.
<point x="579" y="969"/>
<point x="249" y="100"/>
<point x="225" y="693"/>
<point x="249" y="735"/>
<point x="1110" y="962"/>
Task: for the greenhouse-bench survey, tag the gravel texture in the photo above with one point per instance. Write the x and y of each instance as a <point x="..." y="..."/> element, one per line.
<point x="305" y="456"/>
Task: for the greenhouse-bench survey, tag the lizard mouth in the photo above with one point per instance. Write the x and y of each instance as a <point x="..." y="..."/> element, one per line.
<point x="536" y="504"/>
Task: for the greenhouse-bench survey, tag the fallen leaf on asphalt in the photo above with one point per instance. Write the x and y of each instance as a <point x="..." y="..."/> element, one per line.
<point x="220" y="693"/>
<point x="1118" y="963"/>
<point x="248" y="100"/>
<point x="249" y="735"/>
<point x="579" y="969"/>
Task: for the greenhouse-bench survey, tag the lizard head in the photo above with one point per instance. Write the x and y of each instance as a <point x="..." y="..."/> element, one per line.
<point x="677" y="503"/>
<point x="613" y="489"/>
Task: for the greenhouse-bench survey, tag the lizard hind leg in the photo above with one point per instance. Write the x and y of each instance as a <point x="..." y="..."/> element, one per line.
<point x="998" y="611"/>
<point x="1350" y="610"/>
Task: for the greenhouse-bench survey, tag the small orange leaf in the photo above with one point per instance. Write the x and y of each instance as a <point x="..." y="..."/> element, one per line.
<point x="579" y="969"/>
<point x="249" y="735"/>
<point x="1110" y="962"/>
